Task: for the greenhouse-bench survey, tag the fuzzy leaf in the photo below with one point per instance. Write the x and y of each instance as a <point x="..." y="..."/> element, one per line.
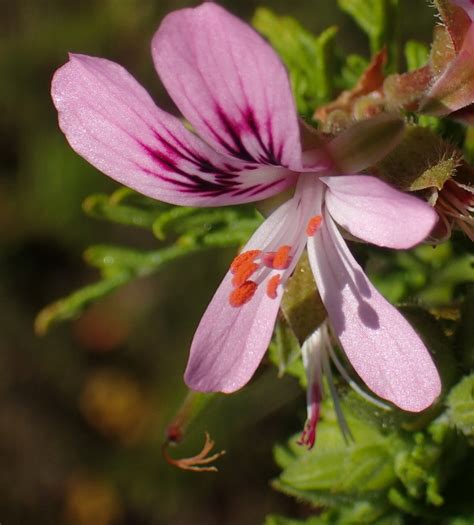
<point x="334" y="471"/>
<point x="421" y="160"/>
<point x="415" y="469"/>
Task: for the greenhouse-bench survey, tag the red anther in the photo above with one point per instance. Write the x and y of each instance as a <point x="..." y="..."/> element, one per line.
<point x="313" y="225"/>
<point x="243" y="258"/>
<point x="243" y="293"/>
<point x="244" y="272"/>
<point x="282" y="258"/>
<point x="272" y="286"/>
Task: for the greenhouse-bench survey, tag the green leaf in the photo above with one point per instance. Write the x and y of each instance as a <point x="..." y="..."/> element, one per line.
<point x="461" y="520"/>
<point x="118" y="266"/>
<point x="362" y="512"/>
<point x="377" y="18"/>
<point x="74" y="304"/>
<point x="465" y="331"/>
<point x="416" y="469"/>
<point x="352" y="69"/>
<point x="217" y="227"/>
<point x="111" y="259"/>
<point x="335" y="472"/>
<point x="194" y="230"/>
<point x="124" y="207"/>
<point x="468" y="145"/>
<point x="461" y="405"/>
<point x="441" y="290"/>
<point x="280" y="520"/>
<point x="308" y="58"/>
<point x="416" y="54"/>
<point x="392" y="519"/>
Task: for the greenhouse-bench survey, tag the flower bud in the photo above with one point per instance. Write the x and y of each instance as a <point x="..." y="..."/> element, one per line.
<point x="366" y="142"/>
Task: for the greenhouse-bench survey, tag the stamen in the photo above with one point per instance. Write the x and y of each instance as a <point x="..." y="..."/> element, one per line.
<point x="272" y="286"/>
<point x="244" y="272"/>
<point x="243" y="258"/>
<point x="313" y="225"/>
<point x="282" y="258"/>
<point x="243" y="293"/>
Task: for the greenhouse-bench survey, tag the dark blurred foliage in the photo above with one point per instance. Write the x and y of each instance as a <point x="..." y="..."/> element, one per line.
<point x="83" y="410"/>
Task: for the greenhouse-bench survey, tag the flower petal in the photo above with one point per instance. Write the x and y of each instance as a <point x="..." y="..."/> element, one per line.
<point x="230" y="84"/>
<point x="377" y="213"/>
<point x="230" y="341"/>
<point x="454" y="88"/>
<point x="110" y="120"/>
<point x="467" y="5"/>
<point x="381" y="345"/>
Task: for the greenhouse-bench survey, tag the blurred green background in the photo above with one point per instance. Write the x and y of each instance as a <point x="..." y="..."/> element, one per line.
<point x="83" y="409"/>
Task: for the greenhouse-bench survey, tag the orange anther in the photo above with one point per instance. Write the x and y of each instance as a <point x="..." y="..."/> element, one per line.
<point x="244" y="272"/>
<point x="313" y="225"/>
<point x="243" y="258"/>
<point x="282" y="258"/>
<point x="272" y="286"/>
<point x="243" y="293"/>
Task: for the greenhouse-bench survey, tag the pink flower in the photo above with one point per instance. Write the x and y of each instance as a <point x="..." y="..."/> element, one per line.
<point x="233" y="89"/>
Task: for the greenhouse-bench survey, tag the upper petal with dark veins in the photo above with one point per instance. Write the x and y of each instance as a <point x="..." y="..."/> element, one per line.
<point x="110" y="120"/>
<point x="230" y="84"/>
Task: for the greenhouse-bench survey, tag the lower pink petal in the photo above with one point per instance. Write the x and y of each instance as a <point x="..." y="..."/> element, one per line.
<point x="381" y="345"/>
<point x="231" y="341"/>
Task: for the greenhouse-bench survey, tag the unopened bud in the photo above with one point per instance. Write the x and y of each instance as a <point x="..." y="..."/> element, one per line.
<point x="366" y="142"/>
